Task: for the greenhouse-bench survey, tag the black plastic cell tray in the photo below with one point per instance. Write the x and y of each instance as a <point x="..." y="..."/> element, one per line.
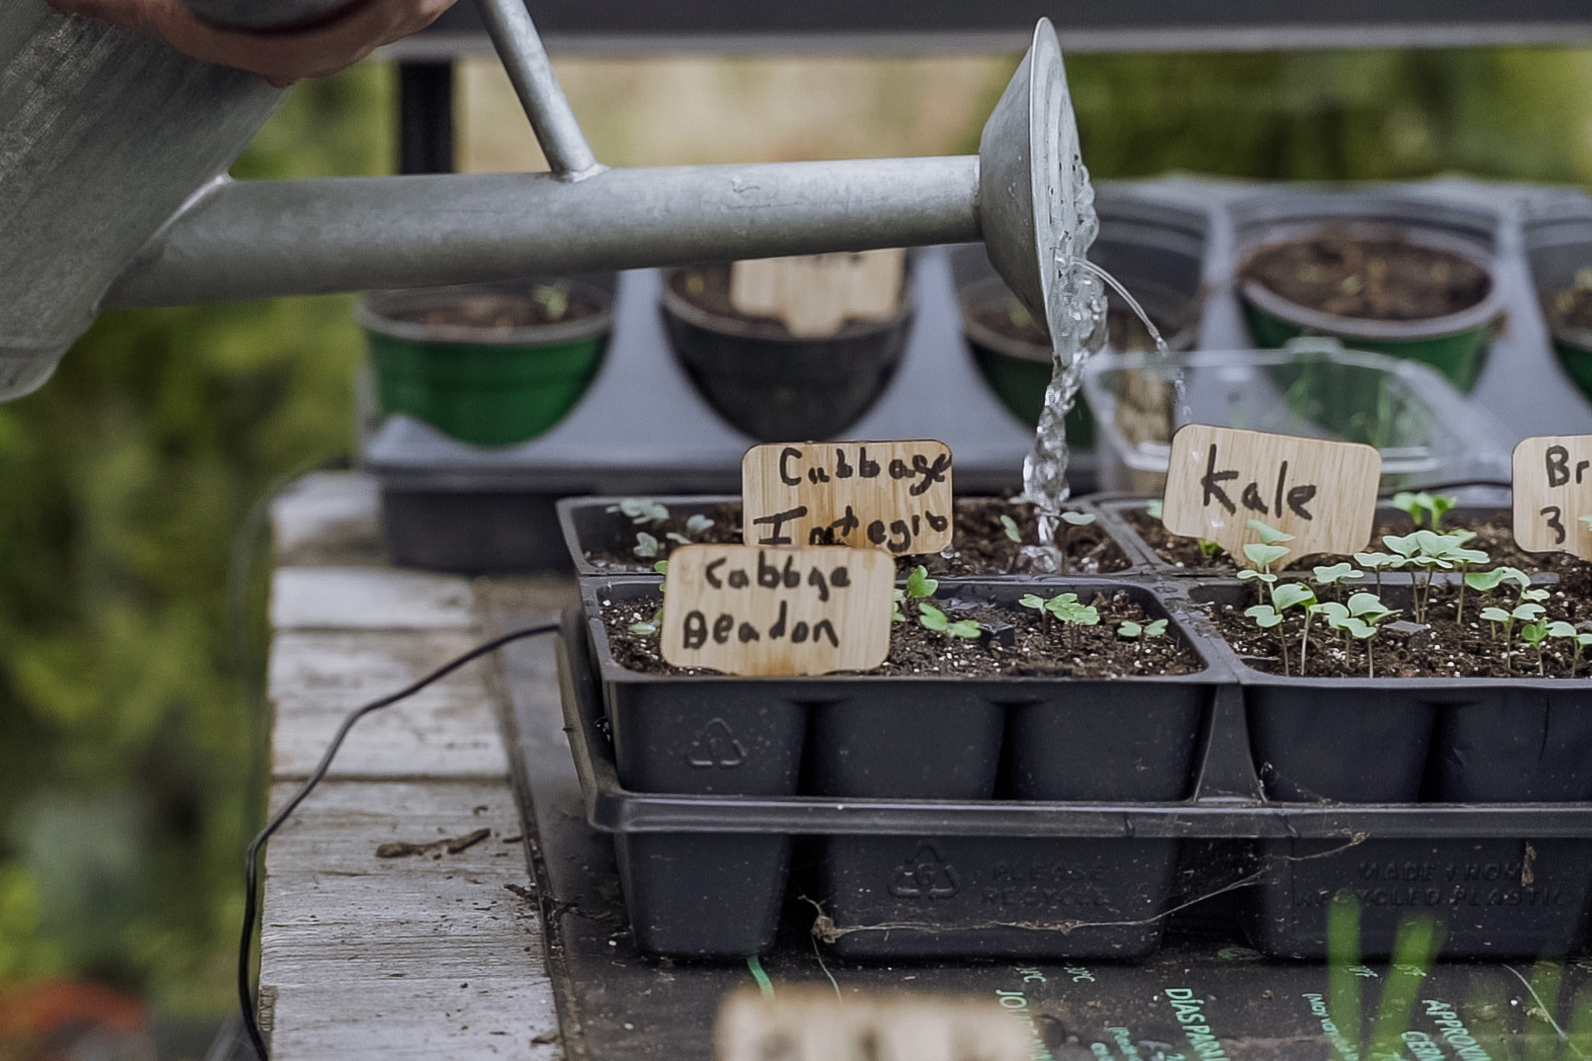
<point x="1298" y="854"/>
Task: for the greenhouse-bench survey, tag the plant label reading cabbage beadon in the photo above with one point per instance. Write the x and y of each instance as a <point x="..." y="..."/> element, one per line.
<point x="1321" y="492"/>
<point x="894" y="496"/>
<point x="742" y="609"/>
<point x="1553" y="490"/>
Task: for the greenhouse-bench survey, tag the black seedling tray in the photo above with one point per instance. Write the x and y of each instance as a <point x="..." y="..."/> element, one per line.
<point x="939" y="871"/>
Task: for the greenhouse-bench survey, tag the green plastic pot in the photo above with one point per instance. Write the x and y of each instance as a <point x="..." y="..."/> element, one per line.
<point x="1573" y="346"/>
<point x="1019" y="372"/>
<point x="1455" y="344"/>
<point x="488" y="386"/>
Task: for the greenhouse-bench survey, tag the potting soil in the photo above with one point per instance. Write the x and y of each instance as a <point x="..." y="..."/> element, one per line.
<point x="1573" y="308"/>
<point x="1015" y="642"/>
<point x="493" y="310"/>
<point x="1369" y="279"/>
<point x="1004" y="315"/>
<point x="708" y="289"/>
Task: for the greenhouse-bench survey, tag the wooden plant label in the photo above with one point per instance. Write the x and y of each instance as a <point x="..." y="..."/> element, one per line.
<point x="1553" y="490"/>
<point x="1321" y="492"/>
<point x="815" y="294"/>
<point x="888" y="495"/>
<point x="806" y="1024"/>
<point x="741" y="609"/>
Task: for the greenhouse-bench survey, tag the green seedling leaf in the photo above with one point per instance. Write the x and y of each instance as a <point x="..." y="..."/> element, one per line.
<point x="1156" y="507"/>
<point x="1250" y="575"/>
<point x="1517" y="576"/>
<point x="1269" y="535"/>
<point x="1337" y="574"/>
<point x="1264" y="555"/>
<point x="1065" y="606"/>
<point x="919" y="584"/>
<point x="1208" y="548"/>
<point x="932" y="618"/>
<point x="1534" y="594"/>
<point x="698" y="524"/>
<point x="1331" y="609"/>
<point x="1468" y="556"/>
<point x="554" y="298"/>
<point x="1528" y="612"/>
<point x="1357" y="628"/>
<point x="1532" y="633"/>
<point x="1376" y="561"/>
<point x="1291" y="594"/>
<point x="897" y="598"/>
<point x="966" y="629"/>
<point x="1368" y="606"/>
<point x="646" y="545"/>
<point x="1129" y="630"/>
<point x="641" y="510"/>
<point x="1009" y="525"/>
<point x="1439" y="505"/>
<point x="1462" y="534"/>
<point x="1264" y="616"/>
<point x="1495" y="615"/>
<point x="1583" y="639"/>
<point x="661" y="567"/>
<point x="1156" y="629"/>
<point x="1560" y="629"/>
<point x="1405" y="546"/>
<point x="1029" y="600"/>
<point x="1409" y="504"/>
<point x="1078" y="519"/>
<point x="676" y="536"/>
<point x="1486" y="581"/>
<point x="647" y="629"/>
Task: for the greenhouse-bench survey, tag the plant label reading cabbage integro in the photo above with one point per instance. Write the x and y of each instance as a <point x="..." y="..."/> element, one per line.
<point x="750" y="610"/>
<point x="1323" y="493"/>
<point x="1553" y="494"/>
<point x="894" y="496"/>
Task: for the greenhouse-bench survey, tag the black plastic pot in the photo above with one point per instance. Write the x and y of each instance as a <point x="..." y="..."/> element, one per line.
<point x="1558" y="245"/>
<point x="913" y="738"/>
<point x="1419" y="740"/>
<point x="778" y="388"/>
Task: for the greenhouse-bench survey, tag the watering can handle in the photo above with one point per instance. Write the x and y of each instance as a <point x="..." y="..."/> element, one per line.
<point x="520" y="48"/>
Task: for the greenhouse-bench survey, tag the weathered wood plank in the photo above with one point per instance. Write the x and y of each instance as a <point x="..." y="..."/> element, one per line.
<point x="361" y="598"/>
<point x="328" y="518"/>
<point x="426" y="956"/>
<point x="447" y="730"/>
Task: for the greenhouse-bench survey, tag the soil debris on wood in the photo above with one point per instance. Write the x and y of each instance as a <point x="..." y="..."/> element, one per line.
<point x="1390" y="279"/>
<point x="452" y="845"/>
<point x="980" y="543"/>
<point x="1016" y="642"/>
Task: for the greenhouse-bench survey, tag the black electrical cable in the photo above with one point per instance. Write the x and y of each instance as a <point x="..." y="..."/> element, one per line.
<point x="246" y="997"/>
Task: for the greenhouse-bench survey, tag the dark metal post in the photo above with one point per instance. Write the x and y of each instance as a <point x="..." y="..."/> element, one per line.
<point x="425" y="116"/>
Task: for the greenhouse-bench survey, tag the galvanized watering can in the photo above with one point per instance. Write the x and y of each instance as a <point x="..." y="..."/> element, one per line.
<point x="134" y="213"/>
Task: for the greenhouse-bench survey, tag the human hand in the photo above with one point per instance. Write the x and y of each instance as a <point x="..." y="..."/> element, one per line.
<point x="282" y="57"/>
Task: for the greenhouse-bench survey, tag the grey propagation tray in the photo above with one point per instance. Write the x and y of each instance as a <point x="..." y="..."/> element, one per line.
<point x="643" y="429"/>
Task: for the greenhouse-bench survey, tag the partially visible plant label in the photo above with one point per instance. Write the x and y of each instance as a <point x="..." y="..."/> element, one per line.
<point x="742" y="609"/>
<point x="1323" y="493"/>
<point x="1553" y="491"/>
<point x="815" y="294"/>
<point x="804" y="1024"/>
<point x="894" y="496"/>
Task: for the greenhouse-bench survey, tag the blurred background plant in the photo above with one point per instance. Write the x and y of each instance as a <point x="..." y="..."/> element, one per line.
<point x="130" y="755"/>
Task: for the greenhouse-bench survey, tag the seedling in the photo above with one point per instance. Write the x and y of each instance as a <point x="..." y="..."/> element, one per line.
<point x="1071" y="519"/>
<point x="1429" y="552"/>
<point x="1009" y="525"/>
<point x="652" y="626"/>
<point x="1376" y="562"/>
<point x="1129" y="630"/>
<point x="934" y="619"/>
<point x="1534" y="634"/>
<point x="1156" y="508"/>
<point x="553" y="298"/>
<point x="1266" y="616"/>
<point x="1435" y="506"/>
<point x="919" y="587"/>
<point x="1334" y="612"/>
<point x="1335" y="576"/>
<point x="1366" y="613"/>
<point x="641" y="510"/>
<point x="1529" y="612"/>
<point x="646" y="545"/>
<point x="1263" y="554"/>
<point x="1066" y="609"/>
<point x="695" y="527"/>
<point x="1579" y="639"/>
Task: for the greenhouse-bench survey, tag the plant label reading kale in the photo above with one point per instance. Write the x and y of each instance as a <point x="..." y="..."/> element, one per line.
<point x="1323" y="493"/>
<point x="894" y="496"/>
<point x="1553" y="491"/>
<point x="746" y="609"/>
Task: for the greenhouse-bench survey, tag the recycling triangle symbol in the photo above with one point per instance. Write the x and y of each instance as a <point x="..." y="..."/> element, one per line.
<point x="926" y="875"/>
<point x="715" y="745"/>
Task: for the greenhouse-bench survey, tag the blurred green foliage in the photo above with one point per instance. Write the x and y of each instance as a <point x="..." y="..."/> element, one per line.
<point x="127" y="740"/>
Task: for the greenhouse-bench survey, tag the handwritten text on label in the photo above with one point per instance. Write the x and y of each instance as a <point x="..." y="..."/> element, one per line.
<point x="1321" y="492"/>
<point x="742" y="609"/>
<point x="894" y="496"/>
<point x="1553" y="490"/>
